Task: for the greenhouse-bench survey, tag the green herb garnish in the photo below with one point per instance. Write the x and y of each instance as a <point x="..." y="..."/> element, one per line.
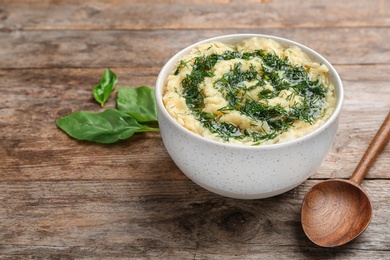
<point x="102" y="91"/>
<point x="136" y="112"/>
<point x="129" y="99"/>
<point x="278" y="73"/>
<point x="108" y="126"/>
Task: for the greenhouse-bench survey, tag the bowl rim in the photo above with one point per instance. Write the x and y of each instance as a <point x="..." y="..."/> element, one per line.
<point x="339" y="90"/>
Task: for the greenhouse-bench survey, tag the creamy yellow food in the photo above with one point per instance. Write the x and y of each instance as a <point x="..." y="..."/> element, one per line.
<point x="253" y="93"/>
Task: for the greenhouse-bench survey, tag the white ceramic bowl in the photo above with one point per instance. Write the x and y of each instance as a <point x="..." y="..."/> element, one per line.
<point x="246" y="172"/>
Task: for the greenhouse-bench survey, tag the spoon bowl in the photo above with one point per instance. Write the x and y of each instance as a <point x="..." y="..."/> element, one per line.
<point x="339" y="204"/>
<point x="334" y="212"/>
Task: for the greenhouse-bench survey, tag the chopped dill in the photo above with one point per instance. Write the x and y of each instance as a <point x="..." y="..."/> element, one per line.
<point x="276" y="72"/>
<point x="182" y="64"/>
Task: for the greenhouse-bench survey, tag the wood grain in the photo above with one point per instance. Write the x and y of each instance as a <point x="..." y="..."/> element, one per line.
<point x="65" y="199"/>
<point x="166" y="219"/>
<point x="200" y="14"/>
<point x="130" y="49"/>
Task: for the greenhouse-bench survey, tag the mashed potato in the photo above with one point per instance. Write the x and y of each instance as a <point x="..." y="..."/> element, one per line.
<point x="254" y="93"/>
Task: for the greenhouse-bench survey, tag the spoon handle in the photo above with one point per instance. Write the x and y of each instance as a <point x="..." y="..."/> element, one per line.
<point x="377" y="144"/>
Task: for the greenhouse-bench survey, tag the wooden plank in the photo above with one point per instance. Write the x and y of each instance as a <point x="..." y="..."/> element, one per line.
<point x="130" y="49"/>
<point x="33" y="148"/>
<point x="169" y="219"/>
<point x="206" y="14"/>
<point x="64" y="199"/>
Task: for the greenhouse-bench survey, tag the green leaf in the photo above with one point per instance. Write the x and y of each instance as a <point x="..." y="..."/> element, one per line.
<point x="102" y="91"/>
<point x="105" y="127"/>
<point x="138" y="102"/>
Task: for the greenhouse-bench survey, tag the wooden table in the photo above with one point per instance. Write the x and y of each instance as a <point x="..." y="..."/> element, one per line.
<point x="65" y="199"/>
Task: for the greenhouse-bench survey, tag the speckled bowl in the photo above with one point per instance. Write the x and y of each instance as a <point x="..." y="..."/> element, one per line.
<point x="246" y="172"/>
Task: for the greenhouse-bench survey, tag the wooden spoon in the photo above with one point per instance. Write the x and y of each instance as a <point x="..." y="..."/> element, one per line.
<point x="335" y="212"/>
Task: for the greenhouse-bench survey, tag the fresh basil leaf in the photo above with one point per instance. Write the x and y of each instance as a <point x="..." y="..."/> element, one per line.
<point x="138" y="102"/>
<point x="105" y="127"/>
<point x="102" y="91"/>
